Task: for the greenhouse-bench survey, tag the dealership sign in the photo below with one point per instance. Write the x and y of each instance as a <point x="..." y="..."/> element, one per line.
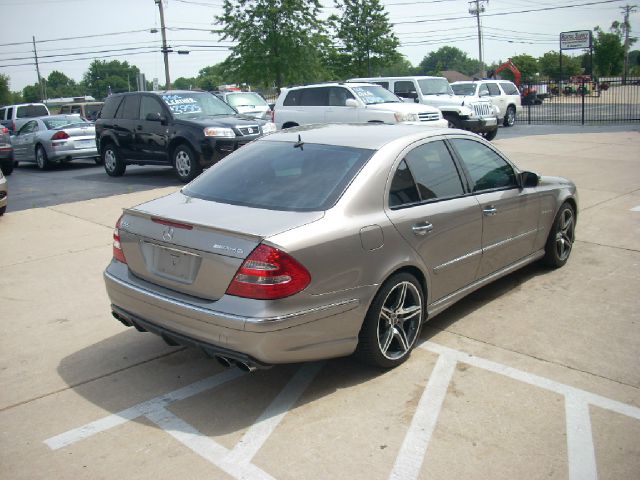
<point x="576" y="39"/>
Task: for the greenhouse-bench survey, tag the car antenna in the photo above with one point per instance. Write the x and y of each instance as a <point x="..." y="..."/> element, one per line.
<point x="299" y="143"/>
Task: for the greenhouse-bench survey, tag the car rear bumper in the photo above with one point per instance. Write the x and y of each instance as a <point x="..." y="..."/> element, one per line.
<point x="61" y="153"/>
<point x="322" y="332"/>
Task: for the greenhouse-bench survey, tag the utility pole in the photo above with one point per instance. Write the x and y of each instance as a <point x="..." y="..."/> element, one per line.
<point x="627" y="9"/>
<point x="165" y="50"/>
<point x="476" y="7"/>
<point x="35" y="54"/>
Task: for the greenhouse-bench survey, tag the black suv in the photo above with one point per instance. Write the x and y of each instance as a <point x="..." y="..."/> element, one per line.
<point x="184" y="129"/>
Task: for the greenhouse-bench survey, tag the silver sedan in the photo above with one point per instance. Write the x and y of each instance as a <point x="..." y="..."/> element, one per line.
<point x="322" y="241"/>
<point x="55" y="139"/>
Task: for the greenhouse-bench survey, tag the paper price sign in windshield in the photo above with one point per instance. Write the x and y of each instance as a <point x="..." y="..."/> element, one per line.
<point x="179" y="104"/>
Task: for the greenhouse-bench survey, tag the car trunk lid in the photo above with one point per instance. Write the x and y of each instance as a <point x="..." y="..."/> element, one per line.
<point x="196" y="246"/>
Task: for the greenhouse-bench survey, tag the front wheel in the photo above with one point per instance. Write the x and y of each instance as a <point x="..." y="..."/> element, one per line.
<point x="490" y="135"/>
<point x="186" y="163"/>
<point x="41" y="158"/>
<point x="453" y="122"/>
<point x="510" y="116"/>
<point x="113" y="164"/>
<point x="561" y="237"/>
<point x="392" y="324"/>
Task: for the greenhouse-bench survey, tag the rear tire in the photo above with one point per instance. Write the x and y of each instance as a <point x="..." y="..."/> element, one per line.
<point x="113" y="163"/>
<point x="510" y="116"/>
<point x="186" y="163"/>
<point x="2" y="210"/>
<point x="41" y="158"/>
<point x="392" y="325"/>
<point x="561" y="237"/>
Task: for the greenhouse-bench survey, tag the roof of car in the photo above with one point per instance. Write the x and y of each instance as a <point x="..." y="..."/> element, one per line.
<point x="333" y="84"/>
<point x="357" y="135"/>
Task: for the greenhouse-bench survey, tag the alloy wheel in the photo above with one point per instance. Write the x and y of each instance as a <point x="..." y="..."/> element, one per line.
<point x="183" y="163"/>
<point x="110" y="160"/>
<point x="399" y="320"/>
<point x="565" y="234"/>
<point x="40" y="158"/>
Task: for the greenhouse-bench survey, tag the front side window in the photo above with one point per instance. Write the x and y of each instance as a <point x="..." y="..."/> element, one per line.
<point x="149" y="105"/>
<point x="434" y="171"/>
<point x="404" y="88"/>
<point x="488" y="171"/>
<point x="483" y="91"/>
<point x="281" y="176"/>
<point x="28" y="127"/>
<point x="195" y="105"/>
<point x="338" y="96"/>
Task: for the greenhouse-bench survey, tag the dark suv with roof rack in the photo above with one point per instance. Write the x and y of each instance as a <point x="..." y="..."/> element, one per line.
<point x="187" y="130"/>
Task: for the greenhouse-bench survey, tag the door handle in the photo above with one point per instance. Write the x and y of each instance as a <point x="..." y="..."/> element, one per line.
<point x="422" y="228"/>
<point x="489" y="211"/>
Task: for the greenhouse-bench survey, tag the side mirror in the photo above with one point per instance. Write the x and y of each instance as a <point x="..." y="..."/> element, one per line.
<point x="529" y="179"/>
<point x="351" y="102"/>
<point x="153" y="117"/>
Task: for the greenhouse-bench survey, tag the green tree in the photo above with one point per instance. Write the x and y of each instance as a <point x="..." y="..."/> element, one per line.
<point x="114" y="76"/>
<point x="209" y="78"/>
<point x="183" y="83"/>
<point x="367" y="38"/>
<point x="448" y="58"/>
<point x="399" y="68"/>
<point x="549" y="65"/>
<point x="59" y="85"/>
<point x="31" y="93"/>
<point x="527" y="65"/>
<point x="5" y="93"/>
<point x="278" y="41"/>
<point x="608" y="51"/>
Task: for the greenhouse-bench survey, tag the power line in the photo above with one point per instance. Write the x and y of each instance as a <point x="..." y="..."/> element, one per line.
<point x="75" y="38"/>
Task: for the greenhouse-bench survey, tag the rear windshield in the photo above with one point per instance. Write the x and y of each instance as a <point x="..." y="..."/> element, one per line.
<point x="464" y="89"/>
<point x="281" y="176"/>
<point x="245" y="100"/>
<point x="53" y="123"/>
<point x="29" y="111"/>
<point x="194" y="105"/>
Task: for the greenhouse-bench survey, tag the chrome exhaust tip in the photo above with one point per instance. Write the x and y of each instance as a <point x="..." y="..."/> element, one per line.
<point x="224" y="361"/>
<point x="246" y="367"/>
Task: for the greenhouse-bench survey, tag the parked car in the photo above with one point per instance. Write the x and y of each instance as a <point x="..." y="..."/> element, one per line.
<point x="4" y="191"/>
<point x="251" y="104"/>
<point x="501" y="93"/>
<point x="320" y="241"/>
<point x="14" y="116"/>
<point x="184" y="129"/>
<point x="55" y="139"/>
<point x="87" y="110"/>
<point x="477" y="116"/>
<point x="349" y="103"/>
<point x="6" y="151"/>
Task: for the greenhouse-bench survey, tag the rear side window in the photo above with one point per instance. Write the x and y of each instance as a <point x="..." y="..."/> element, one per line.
<point x="435" y="174"/>
<point x="110" y="106"/>
<point x="129" y="108"/>
<point x="30" y="111"/>
<point x="403" y="187"/>
<point x="281" y="176"/>
<point x="150" y="105"/>
<point x="293" y="98"/>
<point x="10" y="113"/>
<point x="509" y="88"/>
<point x="486" y="168"/>
<point x="3" y="112"/>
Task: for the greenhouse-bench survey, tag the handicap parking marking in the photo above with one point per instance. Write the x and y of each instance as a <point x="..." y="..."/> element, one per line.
<point x="408" y="464"/>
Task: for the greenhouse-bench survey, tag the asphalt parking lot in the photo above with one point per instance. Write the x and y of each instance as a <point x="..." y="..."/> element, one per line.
<point x="534" y="376"/>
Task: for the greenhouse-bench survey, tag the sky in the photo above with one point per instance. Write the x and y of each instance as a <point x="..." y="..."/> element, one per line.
<point x="121" y="29"/>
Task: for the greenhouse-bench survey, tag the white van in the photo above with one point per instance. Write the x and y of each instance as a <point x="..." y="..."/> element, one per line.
<point x="349" y="103"/>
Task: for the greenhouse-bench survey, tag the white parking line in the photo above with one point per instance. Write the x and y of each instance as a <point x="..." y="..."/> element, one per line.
<point x="414" y="447"/>
<point x="237" y="461"/>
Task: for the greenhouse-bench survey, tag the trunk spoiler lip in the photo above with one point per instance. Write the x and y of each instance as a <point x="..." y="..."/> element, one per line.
<point x="150" y="216"/>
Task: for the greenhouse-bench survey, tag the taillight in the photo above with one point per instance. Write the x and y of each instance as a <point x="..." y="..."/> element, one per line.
<point x="60" y="136"/>
<point x="269" y="274"/>
<point x="4" y="130"/>
<point x="118" y="254"/>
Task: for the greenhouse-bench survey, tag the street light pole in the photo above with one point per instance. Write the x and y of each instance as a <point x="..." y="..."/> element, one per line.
<point x="165" y="50"/>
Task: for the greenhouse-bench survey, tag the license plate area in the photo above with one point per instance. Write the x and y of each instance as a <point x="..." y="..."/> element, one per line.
<point x="170" y="263"/>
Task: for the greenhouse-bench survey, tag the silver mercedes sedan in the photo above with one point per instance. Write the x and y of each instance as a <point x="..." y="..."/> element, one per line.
<point x="322" y="241"/>
<point x="55" y="139"/>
